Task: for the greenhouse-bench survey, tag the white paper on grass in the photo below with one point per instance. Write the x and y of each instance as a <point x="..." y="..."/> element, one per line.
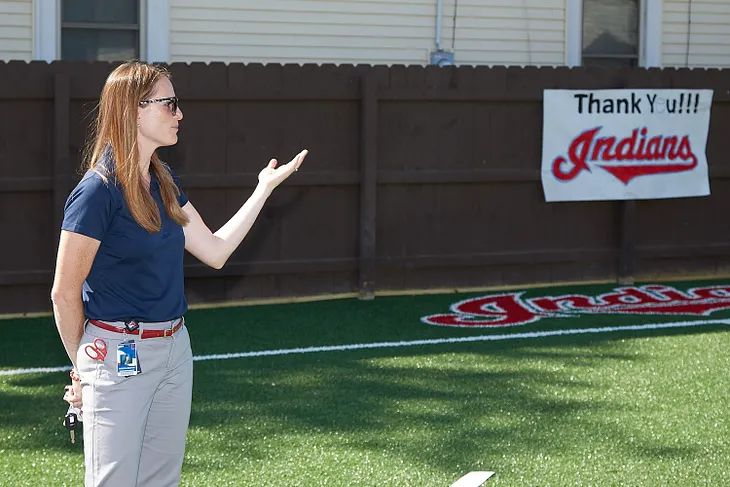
<point x="472" y="479"/>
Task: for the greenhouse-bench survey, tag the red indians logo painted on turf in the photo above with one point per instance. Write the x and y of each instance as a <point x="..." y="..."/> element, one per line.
<point x="511" y="309"/>
<point x="627" y="158"/>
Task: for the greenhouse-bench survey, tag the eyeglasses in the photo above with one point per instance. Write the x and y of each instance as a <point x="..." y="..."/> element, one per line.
<point x="170" y="101"/>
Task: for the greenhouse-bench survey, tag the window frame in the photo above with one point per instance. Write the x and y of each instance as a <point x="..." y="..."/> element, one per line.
<point x="650" y="33"/>
<point x="154" y="30"/>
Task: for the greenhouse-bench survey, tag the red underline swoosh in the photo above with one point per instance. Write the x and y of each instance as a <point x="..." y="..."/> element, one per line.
<point x="626" y="173"/>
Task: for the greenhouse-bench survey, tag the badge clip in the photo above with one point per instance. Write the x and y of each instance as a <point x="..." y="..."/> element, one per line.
<point x="131" y="327"/>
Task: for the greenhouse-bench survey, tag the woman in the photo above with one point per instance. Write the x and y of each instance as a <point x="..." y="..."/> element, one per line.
<point x="117" y="294"/>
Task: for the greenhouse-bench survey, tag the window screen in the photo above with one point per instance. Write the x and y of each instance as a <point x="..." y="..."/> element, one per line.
<point x="99" y="30"/>
<point x="611" y="32"/>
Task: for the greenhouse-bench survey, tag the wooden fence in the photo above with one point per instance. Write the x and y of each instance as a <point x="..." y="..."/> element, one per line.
<point x="417" y="178"/>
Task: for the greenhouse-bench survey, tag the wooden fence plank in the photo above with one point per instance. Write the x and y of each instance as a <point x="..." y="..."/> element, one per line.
<point x="61" y="109"/>
<point x="626" y="266"/>
<point x="368" y="186"/>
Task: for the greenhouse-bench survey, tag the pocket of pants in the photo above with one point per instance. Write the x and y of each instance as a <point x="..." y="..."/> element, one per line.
<point x="102" y="372"/>
<point x="181" y="350"/>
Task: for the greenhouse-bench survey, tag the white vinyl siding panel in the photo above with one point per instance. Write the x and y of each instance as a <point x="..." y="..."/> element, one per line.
<point x="702" y="40"/>
<point x="16" y="30"/>
<point x="366" y="31"/>
<point x="494" y="32"/>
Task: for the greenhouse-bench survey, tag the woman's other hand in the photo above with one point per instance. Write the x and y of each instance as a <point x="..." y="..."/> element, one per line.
<point x="73" y="394"/>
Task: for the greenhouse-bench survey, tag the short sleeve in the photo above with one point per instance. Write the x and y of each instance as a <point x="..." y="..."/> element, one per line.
<point x="89" y="208"/>
<point x="182" y="198"/>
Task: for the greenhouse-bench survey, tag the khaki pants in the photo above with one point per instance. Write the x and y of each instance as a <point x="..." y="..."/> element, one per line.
<point x="135" y="427"/>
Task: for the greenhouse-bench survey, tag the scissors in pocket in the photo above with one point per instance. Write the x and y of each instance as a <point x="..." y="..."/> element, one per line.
<point x="97" y="350"/>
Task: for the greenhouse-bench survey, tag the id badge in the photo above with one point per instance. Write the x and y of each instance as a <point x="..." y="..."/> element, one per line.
<point x="127" y="361"/>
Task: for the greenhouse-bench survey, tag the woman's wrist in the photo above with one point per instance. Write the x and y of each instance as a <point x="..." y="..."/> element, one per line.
<point x="263" y="190"/>
<point x="74" y="374"/>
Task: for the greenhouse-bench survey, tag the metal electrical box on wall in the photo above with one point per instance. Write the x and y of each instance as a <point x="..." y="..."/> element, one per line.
<point x="442" y="58"/>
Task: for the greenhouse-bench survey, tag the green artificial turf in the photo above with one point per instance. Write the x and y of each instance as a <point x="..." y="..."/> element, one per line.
<point x="633" y="408"/>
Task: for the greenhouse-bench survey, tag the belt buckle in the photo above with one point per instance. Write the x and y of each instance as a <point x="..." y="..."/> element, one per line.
<point x="165" y="332"/>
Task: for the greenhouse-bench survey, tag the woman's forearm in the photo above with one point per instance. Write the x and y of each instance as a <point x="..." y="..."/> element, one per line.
<point x="69" y="315"/>
<point x="230" y="235"/>
<point x="214" y="249"/>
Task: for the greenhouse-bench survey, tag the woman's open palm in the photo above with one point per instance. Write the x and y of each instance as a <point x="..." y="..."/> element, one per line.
<point x="272" y="176"/>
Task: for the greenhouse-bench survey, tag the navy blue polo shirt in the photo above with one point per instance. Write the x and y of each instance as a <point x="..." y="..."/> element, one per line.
<point x="136" y="275"/>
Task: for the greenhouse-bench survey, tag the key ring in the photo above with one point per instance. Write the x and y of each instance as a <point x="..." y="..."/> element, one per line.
<point x="96" y="351"/>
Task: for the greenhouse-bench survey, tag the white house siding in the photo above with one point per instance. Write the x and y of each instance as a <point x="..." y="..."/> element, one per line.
<point x="488" y="32"/>
<point x="16" y="30"/>
<point x="494" y="32"/>
<point x="703" y="42"/>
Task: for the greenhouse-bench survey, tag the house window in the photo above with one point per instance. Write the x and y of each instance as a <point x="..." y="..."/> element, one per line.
<point x="100" y="30"/>
<point x="611" y="33"/>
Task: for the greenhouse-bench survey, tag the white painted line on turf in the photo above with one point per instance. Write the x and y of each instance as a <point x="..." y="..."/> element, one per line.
<point x="36" y="370"/>
<point x="472" y="479"/>
<point x="414" y="343"/>
<point x="480" y="338"/>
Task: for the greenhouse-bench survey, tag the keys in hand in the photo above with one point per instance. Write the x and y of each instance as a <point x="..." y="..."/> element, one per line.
<point x="73" y="417"/>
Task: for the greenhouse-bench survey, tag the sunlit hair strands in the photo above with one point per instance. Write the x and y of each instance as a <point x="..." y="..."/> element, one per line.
<point x="116" y="126"/>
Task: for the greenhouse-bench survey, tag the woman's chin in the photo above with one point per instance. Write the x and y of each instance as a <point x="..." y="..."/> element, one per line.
<point x="171" y="141"/>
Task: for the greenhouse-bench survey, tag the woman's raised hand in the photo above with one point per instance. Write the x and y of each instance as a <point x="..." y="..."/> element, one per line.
<point x="271" y="176"/>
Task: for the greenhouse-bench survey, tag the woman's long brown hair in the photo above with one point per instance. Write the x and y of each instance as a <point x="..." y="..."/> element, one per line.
<point x="116" y="127"/>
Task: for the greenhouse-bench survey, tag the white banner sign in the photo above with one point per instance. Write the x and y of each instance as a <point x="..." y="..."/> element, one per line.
<point x="625" y="144"/>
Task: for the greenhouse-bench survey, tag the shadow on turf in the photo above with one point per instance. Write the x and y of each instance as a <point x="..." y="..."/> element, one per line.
<point x="453" y="416"/>
<point x="456" y="416"/>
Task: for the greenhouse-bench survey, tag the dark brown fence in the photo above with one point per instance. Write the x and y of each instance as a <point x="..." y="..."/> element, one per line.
<point x="417" y="178"/>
